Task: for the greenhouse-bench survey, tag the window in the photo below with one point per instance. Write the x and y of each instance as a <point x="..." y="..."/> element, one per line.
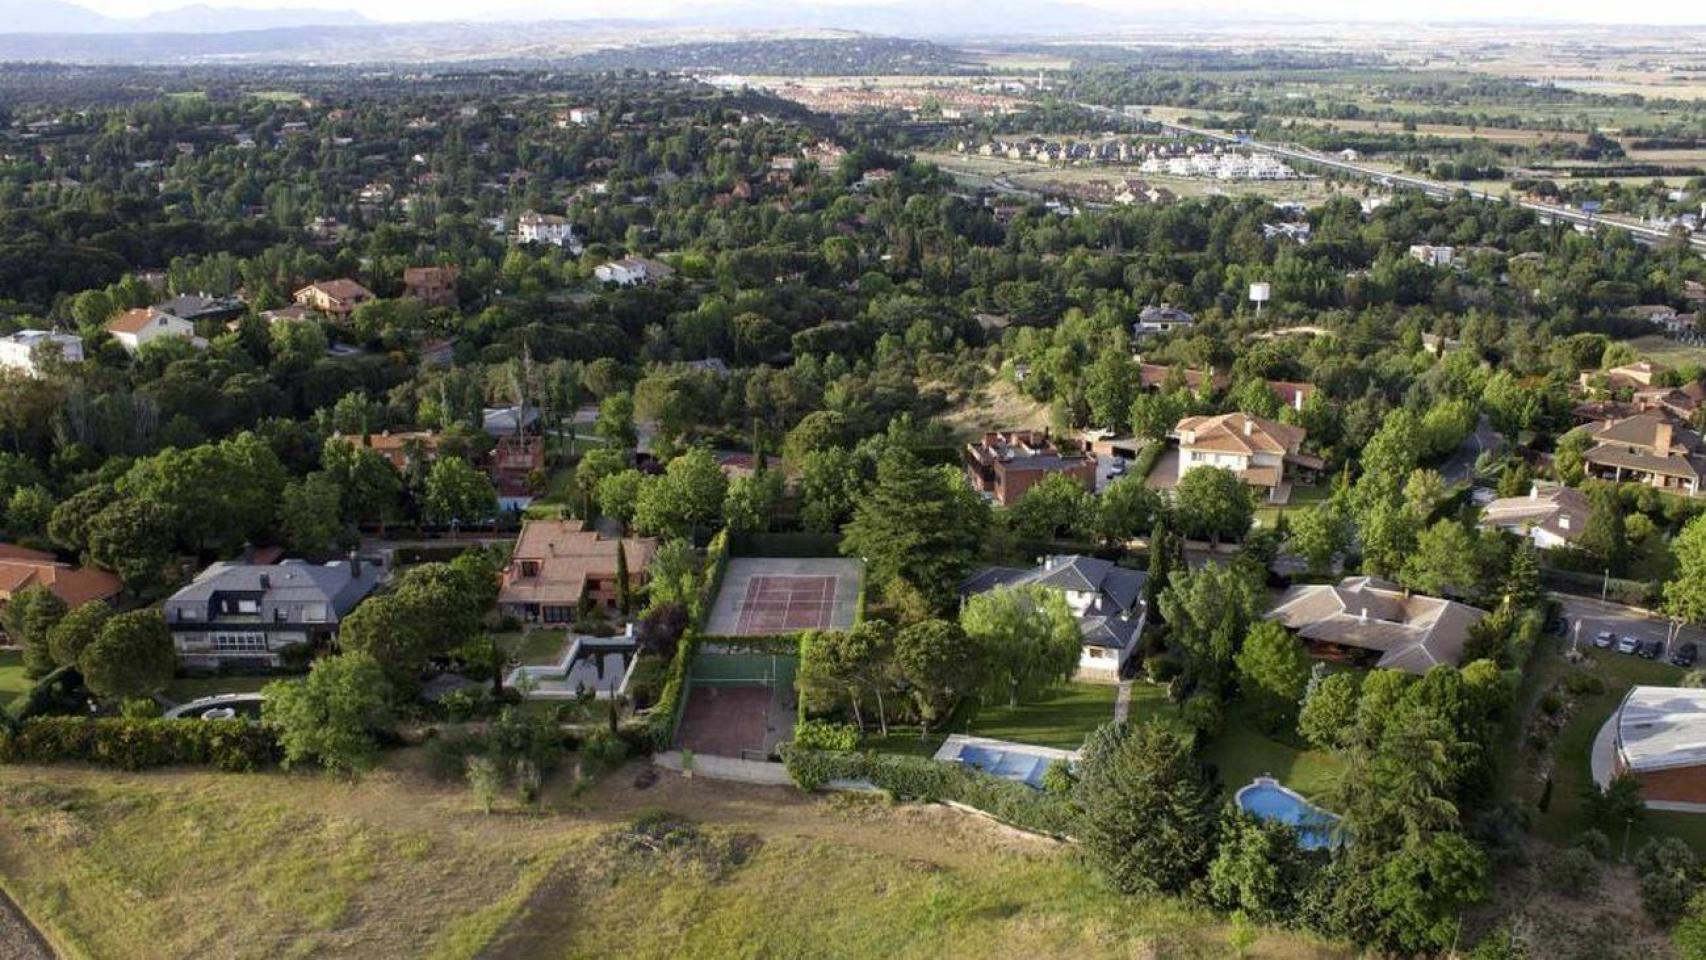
<point x="248" y="606"/>
<point x="240" y="642"/>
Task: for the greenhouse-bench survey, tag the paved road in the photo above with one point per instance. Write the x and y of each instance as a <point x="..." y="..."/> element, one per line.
<point x="1547" y="212"/>
<point x="19" y="939"/>
<point x="1588" y="617"/>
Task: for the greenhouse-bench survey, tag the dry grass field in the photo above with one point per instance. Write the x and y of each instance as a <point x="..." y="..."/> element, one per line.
<point x="179" y="863"/>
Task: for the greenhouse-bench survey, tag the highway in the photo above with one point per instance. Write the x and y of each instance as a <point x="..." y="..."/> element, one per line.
<point x="1548" y="213"/>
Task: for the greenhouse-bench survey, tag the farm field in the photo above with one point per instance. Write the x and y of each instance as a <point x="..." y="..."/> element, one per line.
<point x="116" y="866"/>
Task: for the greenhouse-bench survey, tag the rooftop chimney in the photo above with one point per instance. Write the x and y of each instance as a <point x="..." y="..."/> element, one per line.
<point x="1249" y="426"/>
<point x="266" y="582"/>
<point x="1534" y="491"/>
<point x="1661" y="438"/>
<point x="354" y="565"/>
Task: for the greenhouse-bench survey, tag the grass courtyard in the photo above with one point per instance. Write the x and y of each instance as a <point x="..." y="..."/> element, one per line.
<point x="117" y="865"/>
<point x="1061" y="718"/>
<point x="12" y="680"/>
<point x="533" y="647"/>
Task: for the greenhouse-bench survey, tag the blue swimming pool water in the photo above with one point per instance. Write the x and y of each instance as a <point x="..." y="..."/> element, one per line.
<point x="1007" y="764"/>
<point x="1272" y="802"/>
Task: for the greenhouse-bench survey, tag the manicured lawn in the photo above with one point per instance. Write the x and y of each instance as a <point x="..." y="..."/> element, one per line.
<point x="12" y="680"/>
<point x="533" y="646"/>
<point x="1302" y="498"/>
<point x="185" y="689"/>
<point x="1061" y="718"/>
<point x="1243" y="752"/>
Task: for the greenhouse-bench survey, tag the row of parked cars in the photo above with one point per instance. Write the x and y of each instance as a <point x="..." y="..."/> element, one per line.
<point x="1683" y="656"/>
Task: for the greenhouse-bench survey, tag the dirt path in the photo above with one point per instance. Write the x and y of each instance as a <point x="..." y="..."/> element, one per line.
<point x="19" y="939"/>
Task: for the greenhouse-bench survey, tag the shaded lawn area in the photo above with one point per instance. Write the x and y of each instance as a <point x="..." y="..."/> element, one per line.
<point x="1244" y="752"/>
<point x="1061" y="718"/>
<point x="533" y="646"/>
<point x="1572" y="774"/>
<point x="1302" y="498"/>
<point x="13" y="683"/>
<point x="185" y="689"/>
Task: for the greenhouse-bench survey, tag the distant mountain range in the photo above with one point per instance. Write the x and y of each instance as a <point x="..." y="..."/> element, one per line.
<point x="57" y="16"/>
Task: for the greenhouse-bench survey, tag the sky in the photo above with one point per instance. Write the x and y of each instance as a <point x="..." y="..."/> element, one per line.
<point x="1586" y="11"/>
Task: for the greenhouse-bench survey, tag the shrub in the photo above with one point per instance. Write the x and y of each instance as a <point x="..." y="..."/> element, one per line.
<point x="1058" y="779"/>
<point x="604" y="749"/>
<point x="1161" y="669"/>
<point x="1573" y="872"/>
<point x="1584" y="684"/>
<point x="920" y="778"/>
<point x="138" y="708"/>
<point x="1665" y="869"/>
<point x="1551" y="703"/>
<point x="138" y="744"/>
<point x="1594" y="842"/>
<point x="824" y="735"/>
<point x="1206" y="714"/>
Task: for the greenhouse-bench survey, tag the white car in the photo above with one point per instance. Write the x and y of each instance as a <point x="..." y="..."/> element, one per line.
<point x="1628" y="645"/>
<point x="1604" y="638"/>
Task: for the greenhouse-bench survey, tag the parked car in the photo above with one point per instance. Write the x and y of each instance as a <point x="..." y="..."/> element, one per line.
<point x="1604" y="638"/>
<point x="1559" y="626"/>
<point x="1649" y="649"/>
<point x="1685" y="655"/>
<point x="1118" y="468"/>
<point x="1628" y="645"/>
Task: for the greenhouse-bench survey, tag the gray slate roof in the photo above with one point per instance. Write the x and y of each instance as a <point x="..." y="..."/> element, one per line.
<point x="1116" y="615"/>
<point x="304" y="592"/>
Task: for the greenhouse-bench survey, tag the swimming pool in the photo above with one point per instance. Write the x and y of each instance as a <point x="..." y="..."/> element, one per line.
<point x="1021" y="762"/>
<point x="1267" y="799"/>
<point x="1008" y="764"/>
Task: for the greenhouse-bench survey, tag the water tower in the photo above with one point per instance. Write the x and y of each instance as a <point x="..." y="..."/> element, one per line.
<point x="1260" y="293"/>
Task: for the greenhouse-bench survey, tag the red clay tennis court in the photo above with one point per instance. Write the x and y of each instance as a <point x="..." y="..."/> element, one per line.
<point x="721" y="720"/>
<point x="780" y="604"/>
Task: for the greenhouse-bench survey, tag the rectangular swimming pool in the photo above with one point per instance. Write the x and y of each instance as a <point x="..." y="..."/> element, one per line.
<point x="1010" y="761"/>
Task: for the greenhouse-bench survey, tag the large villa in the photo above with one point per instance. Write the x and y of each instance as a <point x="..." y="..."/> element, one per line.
<point x="1106" y="598"/>
<point x="1374" y="622"/>
<point x="1265" y="454"/>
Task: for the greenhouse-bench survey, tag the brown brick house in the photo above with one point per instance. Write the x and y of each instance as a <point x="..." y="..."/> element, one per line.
<point x="1660" y="740"/>
<point x="433" y="286"/>
<point x="558" y="563"/>
<point x="1005" y="465"/>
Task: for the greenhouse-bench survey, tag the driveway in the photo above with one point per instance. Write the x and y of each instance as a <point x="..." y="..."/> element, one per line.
<point x="1460" y="466"/>
<point x="1587" y="617"/>
<point x="1166" y="473"/>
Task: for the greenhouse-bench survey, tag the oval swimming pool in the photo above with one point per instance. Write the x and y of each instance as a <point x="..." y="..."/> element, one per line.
<point x="1267" y="799"/>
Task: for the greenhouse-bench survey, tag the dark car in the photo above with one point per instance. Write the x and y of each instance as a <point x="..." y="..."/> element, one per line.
<point x="1649" y="649"/>
<point x="1685" y="655"/>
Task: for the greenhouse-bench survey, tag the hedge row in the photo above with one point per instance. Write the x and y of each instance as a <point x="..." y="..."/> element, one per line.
<point x="666" y="712"/>
<point x="920" y="778"/>
<point x="231" y="745"/>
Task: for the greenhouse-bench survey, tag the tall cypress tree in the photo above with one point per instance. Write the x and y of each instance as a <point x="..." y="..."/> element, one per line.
<point x="624" y="593"/>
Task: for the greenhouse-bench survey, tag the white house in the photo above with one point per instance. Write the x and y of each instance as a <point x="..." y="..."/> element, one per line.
<point x="583" y="116"/>
<point x="1433" y="256"/>
<point x="545" y="228"/>
<point x="1551" y="515"/>
<point x="22" y="350"/>
<point x="632" y="270"/>
<point x="134" y="329"/>
<point x="1263" y="453"/>
<point x="1107" y="600"/>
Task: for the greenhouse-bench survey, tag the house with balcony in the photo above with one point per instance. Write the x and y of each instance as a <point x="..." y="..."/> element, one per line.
<point x="1266" y="454"/>
<point x="1106" y="599"/>
<point x="247" y="614"/>
<point x="1650" y="449"/>
<point x="1002" y="466"/>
